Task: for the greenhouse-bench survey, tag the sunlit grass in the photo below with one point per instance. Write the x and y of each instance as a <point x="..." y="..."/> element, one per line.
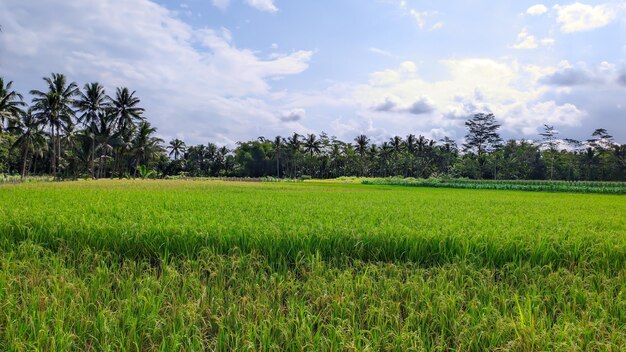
<point x="168" y="265"/>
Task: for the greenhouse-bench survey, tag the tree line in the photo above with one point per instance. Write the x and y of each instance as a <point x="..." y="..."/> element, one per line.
<point x="71" y="132"/>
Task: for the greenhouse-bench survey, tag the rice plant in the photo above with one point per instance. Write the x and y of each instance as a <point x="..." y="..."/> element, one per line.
<point x="144" y="265"/>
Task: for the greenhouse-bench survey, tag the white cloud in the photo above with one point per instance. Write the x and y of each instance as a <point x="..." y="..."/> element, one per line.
<point x="568" y="75"/>
<point x="436" y="26"/>
<point x="263" y="5"/>
<point x="195" y="82"/>
<point x="380" y="52"/>
<point x="420" y="17"/>
<point x="293" y="115"/>
<point x="537" y="10"/>
<point x="579" y="17"/>
<point x="506" y="88"/>
<point x="525" y="40"/>
<point x="222" y="4"/>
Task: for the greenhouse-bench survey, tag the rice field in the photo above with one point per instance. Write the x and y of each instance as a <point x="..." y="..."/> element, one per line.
<point x="603" y="187"/>
<point x="209" y="265"/>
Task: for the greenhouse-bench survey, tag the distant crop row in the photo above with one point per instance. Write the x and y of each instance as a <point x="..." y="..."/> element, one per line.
<point x="521" y="185"/>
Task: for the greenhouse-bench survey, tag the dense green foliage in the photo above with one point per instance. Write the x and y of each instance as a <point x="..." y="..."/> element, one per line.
<point x="166" y="265"/>
<point x="517" y="185"/>
<point x="74" y="133"/>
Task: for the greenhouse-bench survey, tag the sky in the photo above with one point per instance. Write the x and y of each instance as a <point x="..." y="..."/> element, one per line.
<point x="223" y="71"/>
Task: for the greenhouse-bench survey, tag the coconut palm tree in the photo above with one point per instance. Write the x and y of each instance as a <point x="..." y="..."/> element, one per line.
<point x="294" y="144"/>
<point x="92" y="102"/>
<point x="144" y="145"/>
<point x="177" y="148"/>
<point x="54" y="108"/>
<point x="31" y="140"/>
<point x="312" y="146"/>
<point x="278" y="145"/>
<point x="125" y="108"/>
<point x="361" y="147"/>
<point x="106" y="139"/>
<point x="11" y="104"/>
<point x="126" y="111"/>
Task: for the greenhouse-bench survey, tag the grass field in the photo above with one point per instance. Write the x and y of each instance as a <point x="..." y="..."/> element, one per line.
<point x="170" y="265"/>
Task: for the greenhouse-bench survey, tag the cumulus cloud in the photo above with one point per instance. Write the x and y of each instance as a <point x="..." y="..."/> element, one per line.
<point x="537" y="10"/>
<point x="525" y="40"/>
<point x="421" y="106"/>
<point x="568" y="75"/>
<point x="188" y="78"/>
<point x="263" y="5"/>
<point x="386" y="106"/>
<point x="579" y="17"/>
<point x="293" y="115"/>
<point x="507" y="88"/>
<point x="222" y="4"/>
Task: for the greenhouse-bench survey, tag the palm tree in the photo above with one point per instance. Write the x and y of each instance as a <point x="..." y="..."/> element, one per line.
<point x="294" y="145"/>
<point x="312" y="145"/>
<point x="361" y="147"/>
<point x="125" y="108"/>
<point x="54" y="108"/>
<point x="31" y="140"/>
<point x="144" y="145"/>
<point x="11" y="103"/>
<point x="278" y="144"/>
<point x="126" y="112"/>
<point x="385" y="151"/>
<point x="106" y="139"/>
<point x="93" y="103"/>
<point x="177" y="147"/>
<point x="397" y="146"/>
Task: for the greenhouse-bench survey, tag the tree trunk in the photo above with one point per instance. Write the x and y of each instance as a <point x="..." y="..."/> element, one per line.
<point x="24" y="161"/>
<point x="93" y="157"/>
<point x="58" y="147"/>
<point x="53" y="157"/>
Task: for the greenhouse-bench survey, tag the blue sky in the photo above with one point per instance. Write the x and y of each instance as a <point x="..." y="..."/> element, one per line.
<point x="222" y="71"/>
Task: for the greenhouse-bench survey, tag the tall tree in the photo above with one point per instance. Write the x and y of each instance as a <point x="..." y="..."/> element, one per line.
<point x="54" y="107"/>
<point x="11" y="104"/>
<point x="126" y="111"/>
<point x="93" y="103"/>
<point x="278" y="145"/>
<point x="294" y="143"/>
<point x="361" y="144"/>
<point x="177" y="148"/>
<point x="125" y="108"/>
<point x="145" y="145"/>
<point x="482" y="136"/>
<point x="550" y="142"/>
<point x="31" y="140"/>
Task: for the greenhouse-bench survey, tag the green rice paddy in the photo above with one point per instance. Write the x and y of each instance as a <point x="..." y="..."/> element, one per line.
<point x="209" y="265"/>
